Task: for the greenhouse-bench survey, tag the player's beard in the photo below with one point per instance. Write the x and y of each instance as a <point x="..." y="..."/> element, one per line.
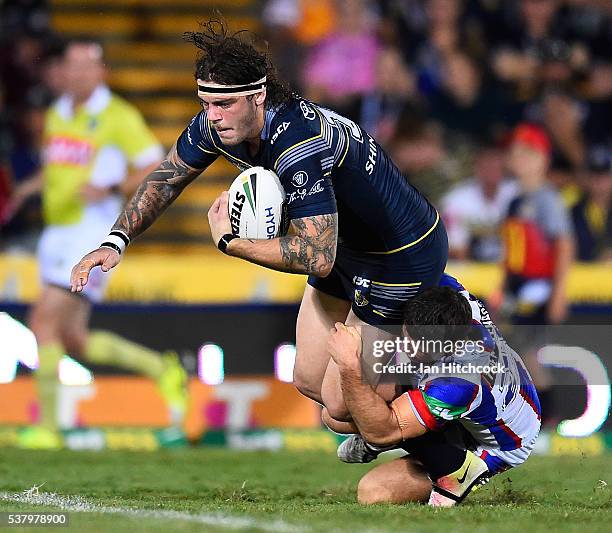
<point x="247" y="128"/>
<point x="248" y="125"/>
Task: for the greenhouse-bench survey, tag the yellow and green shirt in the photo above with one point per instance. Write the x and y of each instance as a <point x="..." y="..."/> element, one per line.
<point x="96" y="143"/>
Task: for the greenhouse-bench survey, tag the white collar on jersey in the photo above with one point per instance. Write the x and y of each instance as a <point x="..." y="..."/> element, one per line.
<point x="95" y="104"/>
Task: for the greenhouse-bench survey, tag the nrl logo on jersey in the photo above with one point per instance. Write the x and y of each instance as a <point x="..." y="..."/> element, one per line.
<point x="307" y="111"/>
<point x="281" y="129"/>
<point x="300" y="178"/>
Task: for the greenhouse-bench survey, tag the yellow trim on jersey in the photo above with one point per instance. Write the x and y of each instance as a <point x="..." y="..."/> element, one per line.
<point x="396" y="284"/>
<point x="378" y="313"/>
<point x="413" y="242"/>
<point x="206" y="151"/>
<point x="348" y="144"/>
<point x="300" y="143"/>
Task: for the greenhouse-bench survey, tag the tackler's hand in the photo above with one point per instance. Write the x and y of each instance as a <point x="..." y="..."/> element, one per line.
<point x="344" y="345"/>
<point x="103" y="257"/>
<point x="218" y="217"/>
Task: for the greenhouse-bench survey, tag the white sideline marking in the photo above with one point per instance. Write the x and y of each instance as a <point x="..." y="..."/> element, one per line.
<point x="77" y="504"/>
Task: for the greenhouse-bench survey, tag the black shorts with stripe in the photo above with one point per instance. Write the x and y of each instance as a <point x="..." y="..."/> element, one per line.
<point x="379" y="285"/>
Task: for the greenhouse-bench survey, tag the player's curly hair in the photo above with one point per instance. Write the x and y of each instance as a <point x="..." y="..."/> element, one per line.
<point x="438" y="313"/>
<point x="233" y="59"/>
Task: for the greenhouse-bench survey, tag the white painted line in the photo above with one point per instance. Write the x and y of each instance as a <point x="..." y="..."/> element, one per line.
<point x="76" y="504"/>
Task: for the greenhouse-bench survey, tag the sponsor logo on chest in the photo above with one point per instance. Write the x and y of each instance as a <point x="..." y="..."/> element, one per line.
<point x="281" y="129"/>
<point x="68" y="151"/>
<point x="371" y="157"/>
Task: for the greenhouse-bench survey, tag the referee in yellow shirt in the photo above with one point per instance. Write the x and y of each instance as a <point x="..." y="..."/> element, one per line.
<point x="97" y="149"/>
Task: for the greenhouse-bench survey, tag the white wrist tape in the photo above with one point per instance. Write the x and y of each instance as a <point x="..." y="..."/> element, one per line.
<point x="116" y="240"/>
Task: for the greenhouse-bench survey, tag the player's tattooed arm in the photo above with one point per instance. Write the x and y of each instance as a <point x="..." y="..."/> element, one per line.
<point x="157" y="191"/>
<point x="311" y="246"/>
<point x="308" y="248"/>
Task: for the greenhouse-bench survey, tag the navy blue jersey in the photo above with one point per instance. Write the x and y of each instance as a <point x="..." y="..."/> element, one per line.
<point x="326" y="164"/>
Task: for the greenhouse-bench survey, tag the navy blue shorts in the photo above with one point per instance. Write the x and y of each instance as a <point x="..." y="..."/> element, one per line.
<point x="379" y="285"/>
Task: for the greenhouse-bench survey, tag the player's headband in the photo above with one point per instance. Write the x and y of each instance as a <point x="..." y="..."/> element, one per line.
<point x="210" y="88"/>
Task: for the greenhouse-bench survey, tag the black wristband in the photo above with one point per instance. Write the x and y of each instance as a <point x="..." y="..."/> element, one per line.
<point x="112" y="246"/>
<point x="225" y="240"/>
<point x="121" y="235"/>
<point x="117" y="240"/>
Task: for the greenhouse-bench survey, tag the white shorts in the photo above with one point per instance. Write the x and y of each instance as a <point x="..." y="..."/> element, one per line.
<point x="62" y="247"/>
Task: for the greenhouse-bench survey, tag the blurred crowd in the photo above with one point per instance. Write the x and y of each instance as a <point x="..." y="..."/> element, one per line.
<point x="30" y="79"/>
<point x="441" y="84"/>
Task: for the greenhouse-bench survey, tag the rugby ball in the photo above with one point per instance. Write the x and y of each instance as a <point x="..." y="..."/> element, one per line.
<point x="257" y="205"/>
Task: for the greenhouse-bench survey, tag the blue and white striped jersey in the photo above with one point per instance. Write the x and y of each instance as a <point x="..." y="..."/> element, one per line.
<point x="500" y="409"/>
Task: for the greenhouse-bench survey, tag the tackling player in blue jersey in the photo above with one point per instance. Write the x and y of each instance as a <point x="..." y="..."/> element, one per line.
<point x="465" y="417"/>
<point x="367" y="239"/>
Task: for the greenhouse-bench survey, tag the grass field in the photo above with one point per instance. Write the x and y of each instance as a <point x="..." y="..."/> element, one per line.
<point x="218" y="490"/>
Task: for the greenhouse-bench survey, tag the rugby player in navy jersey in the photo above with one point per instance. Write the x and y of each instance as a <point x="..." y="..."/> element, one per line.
<point x="366" y="238"/>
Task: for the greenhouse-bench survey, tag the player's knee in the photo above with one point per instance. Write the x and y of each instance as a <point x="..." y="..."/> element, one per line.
<point x="333" y="400"/>
<point x="44" y="326"/>
<point x="336" y="408"/>
<point x="332" y="423"/>
<point x="370" y="491"/>
<point x="307" y="389"/>
<point x="305" y="383"/>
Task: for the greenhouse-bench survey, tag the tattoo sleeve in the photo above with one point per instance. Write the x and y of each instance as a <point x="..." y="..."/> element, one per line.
<point x="311" y="248"/>
<point x="158" y="190"/>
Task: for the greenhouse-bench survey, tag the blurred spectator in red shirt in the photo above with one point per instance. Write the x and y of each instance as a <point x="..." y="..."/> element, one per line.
<point x="538" y="253"/>
<point x="538" y="237"/>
